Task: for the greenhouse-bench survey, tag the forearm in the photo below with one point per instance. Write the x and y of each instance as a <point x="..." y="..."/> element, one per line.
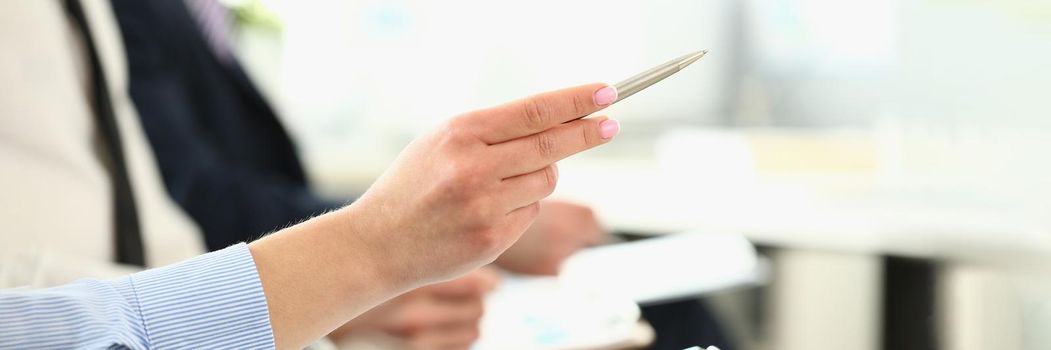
<point x="321" y="273"/>
<point x="287" y="289"/>
<point x="209" y="302"/>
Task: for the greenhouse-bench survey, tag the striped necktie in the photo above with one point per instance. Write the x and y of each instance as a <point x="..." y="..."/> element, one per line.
<point x="129" y="249"/>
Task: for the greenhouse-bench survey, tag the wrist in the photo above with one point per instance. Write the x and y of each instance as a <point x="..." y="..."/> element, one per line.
<point x="319" y="274"/>
<point x="373" y="246"/>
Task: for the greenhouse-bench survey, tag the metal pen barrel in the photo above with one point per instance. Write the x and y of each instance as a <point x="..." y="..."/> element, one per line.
<point x="643" y="80"/>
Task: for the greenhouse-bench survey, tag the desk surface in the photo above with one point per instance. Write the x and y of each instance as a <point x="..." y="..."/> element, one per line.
<point x="842" y="214"/>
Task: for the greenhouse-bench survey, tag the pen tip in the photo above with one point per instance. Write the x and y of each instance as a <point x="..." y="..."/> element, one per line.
<point x="693" y="57"/>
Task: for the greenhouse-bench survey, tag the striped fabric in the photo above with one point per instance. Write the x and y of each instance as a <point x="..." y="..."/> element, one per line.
<point x="214" y="21"/>
<point x="214" y="301"/>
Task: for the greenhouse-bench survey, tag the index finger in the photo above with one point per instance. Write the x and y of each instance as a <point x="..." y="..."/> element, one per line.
<point x="540" y="112"/>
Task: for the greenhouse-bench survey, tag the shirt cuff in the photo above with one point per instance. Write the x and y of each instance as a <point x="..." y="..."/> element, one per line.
<point x="213" y="301"/>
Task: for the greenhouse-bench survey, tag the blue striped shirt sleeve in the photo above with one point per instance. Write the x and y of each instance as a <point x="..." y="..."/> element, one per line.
<point x="214" y="301"/>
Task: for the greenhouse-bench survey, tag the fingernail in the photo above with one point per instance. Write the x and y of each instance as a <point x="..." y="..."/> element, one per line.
<point x="605" y="96"/>
<point x="608" y="128"/>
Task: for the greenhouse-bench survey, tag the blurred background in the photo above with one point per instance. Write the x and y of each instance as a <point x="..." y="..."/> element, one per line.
<point x="889" y="159"/>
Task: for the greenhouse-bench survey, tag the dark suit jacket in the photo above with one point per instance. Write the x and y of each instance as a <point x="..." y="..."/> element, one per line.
<point x="224" y="156"/>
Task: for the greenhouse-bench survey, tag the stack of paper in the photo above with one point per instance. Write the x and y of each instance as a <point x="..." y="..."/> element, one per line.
<point x="593" y="304"/>
<point x="667" y="267"/>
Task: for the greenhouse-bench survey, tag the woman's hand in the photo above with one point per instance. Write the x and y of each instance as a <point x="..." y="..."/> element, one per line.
<point x="562" y="229"/>
<point x="453" y="201"/>
<point x="458" y="197"/>
<point x="445" y="315"/>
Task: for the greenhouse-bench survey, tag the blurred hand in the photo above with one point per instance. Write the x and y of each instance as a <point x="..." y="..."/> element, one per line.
<point x="560" y="230"/>
<point x="458" y="197"/>
<point x="439" y="316"/>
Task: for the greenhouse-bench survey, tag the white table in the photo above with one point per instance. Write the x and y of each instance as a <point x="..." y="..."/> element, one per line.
<point x="836" y="227"/>
<point x="815" y="213"/>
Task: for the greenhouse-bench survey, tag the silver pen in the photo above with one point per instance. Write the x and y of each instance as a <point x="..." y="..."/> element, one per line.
<point x="643" y="80"/>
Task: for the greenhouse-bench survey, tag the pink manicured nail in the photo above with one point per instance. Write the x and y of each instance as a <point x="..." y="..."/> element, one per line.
<point x="608" y="128"/>
<point x="605" y="96"/>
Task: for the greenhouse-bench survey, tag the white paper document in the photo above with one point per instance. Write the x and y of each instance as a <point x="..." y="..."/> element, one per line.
<point x="593" y="304"/>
